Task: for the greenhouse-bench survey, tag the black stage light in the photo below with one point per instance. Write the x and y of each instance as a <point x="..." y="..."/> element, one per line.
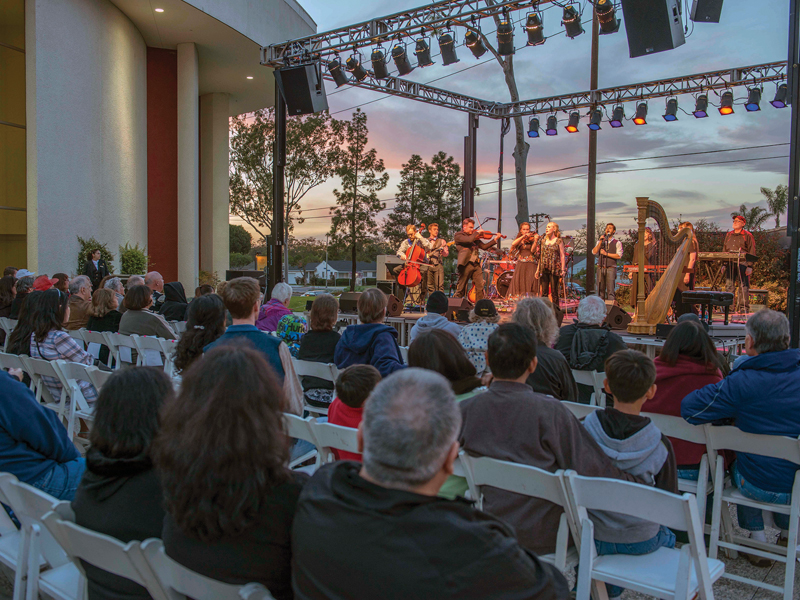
<point x="607" y="15"/>
<point x="552" y="125"/>
<point x="423" y="53"/>
<point x="780" y="96"/>
<point x="401" y="59"/>
<point x="447" y="48"/>
<point x="571" y="20"/>
<point x="535" y="29"/>
<point x="533" y="127"/>
<point x="753" y="100"/>
<point x="597" y="117"/>
<point x="475" y="44"/>
<point x="641" y="114"/>
<point x="379" y="68"/>
<point x="505" y="37"/>
<point x="356" y="68"/>
<point x="701" y="106"/>
<point x="726" y="103"/>
<point x="574" y="119"/>
<point x="618" y="116"/>
<point x="671" y="114"/>
<point x="335" y="69"/>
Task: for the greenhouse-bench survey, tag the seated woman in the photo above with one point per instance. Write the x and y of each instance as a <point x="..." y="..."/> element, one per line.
<point x="104" y="316"/>
<point x="222" y="454"/>
<point x="120" y="493"/>
<point x="274" y="309"/>
<point x="175" y="303"/>
<point x="319" y="345"/>
<point x="483" y="321"/>
<point x="205" y="323"/>
<point x="139" y="320"/>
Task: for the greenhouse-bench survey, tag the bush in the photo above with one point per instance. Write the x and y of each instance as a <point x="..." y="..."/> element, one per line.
<point x="89" y="244"/>
<point x="211" y="279"/>
<point x="370" y="281"/>
<point x="237" y="260"/>
<point x="132" y="260"/>
<point x="345" y="281"/>
<point x="240" y="240"/>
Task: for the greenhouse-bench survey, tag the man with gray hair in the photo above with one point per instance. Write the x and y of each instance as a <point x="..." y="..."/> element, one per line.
<point x="155" y="282"/>
<point x="115" y="285"/>
<point x="587" y="343"/>
<point x="761" y="395"/>
<point x="378" y="530"/>
<point x="80" y="300"/>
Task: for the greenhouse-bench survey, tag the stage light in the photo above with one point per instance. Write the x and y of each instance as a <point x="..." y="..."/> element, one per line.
<point x="597" y="117"/>
<point x="607" y="16"/>
<point x="505" y="37"/>
<point x="379" y="69"/>
<point x="535" y="29"/>
<point x="401" y="59"/>
<point x="618" y="116"/>
<point x="671" y="113"/>
<point x="780" y="96"/>
<point x="641" y="114"/>
<point x="574" y="120"/>
<point x="533" y="128"/>
<point x="701" y="106"/>
<point x="335" y="69"/>
<point x="475" y="44"/>
<point x="423" y="52"/>
<point x="726" y="103"/>
<point x="753" y="100"/>
<point x="447" y="48"/>
<point x="552" y="125"/>
<point x="571" y="20"/>
<point x="356" y="68"/>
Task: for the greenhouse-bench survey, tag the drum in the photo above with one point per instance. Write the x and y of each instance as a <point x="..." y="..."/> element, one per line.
<point x="504" y="282"/>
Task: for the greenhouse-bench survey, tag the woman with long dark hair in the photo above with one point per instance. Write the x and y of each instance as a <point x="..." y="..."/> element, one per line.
<point x="205" y="323"/>
<point x="19" y="342"/>
<point x="437" y="350"/>
<point x="8" y="290"/>
<point x="222" y="454"/>
<point x="523" y="248"/>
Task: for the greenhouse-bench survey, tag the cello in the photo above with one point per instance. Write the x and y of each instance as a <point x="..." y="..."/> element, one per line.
<point x="410" y="275"/>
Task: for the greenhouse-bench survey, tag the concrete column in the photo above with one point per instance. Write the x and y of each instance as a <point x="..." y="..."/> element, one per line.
<point x="188" y="168"/>
<point x="214" y="183"/>
<point x="31" y="145"/>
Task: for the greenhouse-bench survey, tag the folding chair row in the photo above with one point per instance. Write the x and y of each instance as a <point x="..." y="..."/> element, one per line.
<point x="595" y="380"/>
<point x="325" y="436"/>
<point x="7" y="325"/>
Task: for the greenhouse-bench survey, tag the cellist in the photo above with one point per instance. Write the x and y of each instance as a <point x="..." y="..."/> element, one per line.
<point x="402" y="253"/>
<point x="469" y="242"/>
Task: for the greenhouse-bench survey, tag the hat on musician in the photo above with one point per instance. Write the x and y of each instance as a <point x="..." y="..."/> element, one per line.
<point x="739" y="218"/>
<point x="485" y="308"/>
<point x="437" y="303"/>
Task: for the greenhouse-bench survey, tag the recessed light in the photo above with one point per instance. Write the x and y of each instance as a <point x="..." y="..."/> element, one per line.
<point x="249" y="76"/>
<point x="159" y="10"/>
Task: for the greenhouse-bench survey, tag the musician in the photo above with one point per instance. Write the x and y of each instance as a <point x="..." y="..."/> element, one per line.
<point x="437" y="251"/>
<point x="552" y="262"/>
<point x="469" y="242"/>
<point x="739" y="240"/>
<point x="609" y="251"/>
<point x="417" y="291"/>
<point x="650" y="259"/>
<point x="522" y="248"/>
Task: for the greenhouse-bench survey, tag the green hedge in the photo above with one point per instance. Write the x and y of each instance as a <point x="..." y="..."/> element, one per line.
<point x="237" y="260"/>
<point x="89" y="244"/>
<point x="132" y="259"/>
<point x="370" y="281"/>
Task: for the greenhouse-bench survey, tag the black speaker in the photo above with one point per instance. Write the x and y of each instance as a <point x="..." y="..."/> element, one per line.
<point x="616" y="318"/>
<point x="394" y="308"/>
<point x="559" y="315"/>
<point x="456" y="308"/>
<point x="302" y="89"/>
<point x="390" y="288"/>
<point x="348" y="302"/>
<point x="706" y="11"/>
<point x="652" y="25"/>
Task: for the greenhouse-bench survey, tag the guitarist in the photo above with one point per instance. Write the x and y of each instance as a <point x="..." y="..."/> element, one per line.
<point x="414" y="236"/>
<point x="437" y="250"/>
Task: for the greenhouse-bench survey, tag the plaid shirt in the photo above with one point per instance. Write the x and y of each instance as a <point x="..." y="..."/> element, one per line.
<point x="59" y="345"/>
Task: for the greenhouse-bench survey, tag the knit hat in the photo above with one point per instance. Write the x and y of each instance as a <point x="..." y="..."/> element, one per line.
<point x="43" y="283"/>
<point x="437" y="303"/>
<point x="485" y="308"/>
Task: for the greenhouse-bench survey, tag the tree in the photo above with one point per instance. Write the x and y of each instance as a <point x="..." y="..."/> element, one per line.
<point x="409" y="208"/>
<point x="777" y="201"/>
<point x="441" y="192"/>
<point x="363" y="175"/>
<point x="240" y="239"/>
<point x="754" y="217"/>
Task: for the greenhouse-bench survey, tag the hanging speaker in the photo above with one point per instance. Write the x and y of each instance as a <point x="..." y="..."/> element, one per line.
<point x="394" y="308"/>
<point x="706" y="11"/>
<point x="302" y="89"/>
<point x="653" y="25"/>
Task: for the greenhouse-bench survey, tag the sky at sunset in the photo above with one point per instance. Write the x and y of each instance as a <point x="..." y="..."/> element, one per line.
<point x="749" y="33"/>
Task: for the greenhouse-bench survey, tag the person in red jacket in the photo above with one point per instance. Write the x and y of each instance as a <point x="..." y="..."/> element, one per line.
<point x="353" y="387"/>
<point x="688" y="361"/>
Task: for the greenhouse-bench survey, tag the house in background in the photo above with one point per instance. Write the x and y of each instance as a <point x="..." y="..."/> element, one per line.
<point x="341" y="269"/>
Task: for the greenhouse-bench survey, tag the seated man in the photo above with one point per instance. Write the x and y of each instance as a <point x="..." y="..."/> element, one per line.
<point x="436" y="318"/>
<point x="378" y="530"/>
<point x="512" y="422"/>
<point x="80" y="300"/>
<point x="761" y="395"/>
<point x="587" y="344"/>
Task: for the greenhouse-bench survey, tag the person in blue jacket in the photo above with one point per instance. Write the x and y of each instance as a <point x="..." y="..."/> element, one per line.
<point x="371" y="342"/>
<point x="761" y="395"/>
<point x="34" y="445"/>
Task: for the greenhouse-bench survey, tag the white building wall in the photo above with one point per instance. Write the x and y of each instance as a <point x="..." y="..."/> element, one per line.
<point x="87" y="130"/>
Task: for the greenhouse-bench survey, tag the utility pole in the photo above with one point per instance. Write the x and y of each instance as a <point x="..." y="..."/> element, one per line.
<point x="505" y="126"/>
<point x="537" y="217"/>
<point x="592" y="186"/>
<point x="793" y="220"/>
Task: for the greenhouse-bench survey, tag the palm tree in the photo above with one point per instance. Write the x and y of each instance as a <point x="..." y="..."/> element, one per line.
<point x="777" y="201"/>
<point x="754" y="217"/>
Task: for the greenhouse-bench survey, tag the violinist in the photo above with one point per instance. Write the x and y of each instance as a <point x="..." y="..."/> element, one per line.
<point x="523" y="248"/>
<point x="403" y="251"/>
<point x="437" y="250"/>
<point x="469" y="241"/>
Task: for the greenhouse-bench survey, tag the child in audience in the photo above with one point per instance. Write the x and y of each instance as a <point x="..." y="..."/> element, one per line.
<point x="353" y="387"/>
<point x="635" y="445"/>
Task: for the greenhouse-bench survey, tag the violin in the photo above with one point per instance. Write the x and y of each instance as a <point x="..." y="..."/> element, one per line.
<point x="410" y="275"/>
<point x="487" y="235"/>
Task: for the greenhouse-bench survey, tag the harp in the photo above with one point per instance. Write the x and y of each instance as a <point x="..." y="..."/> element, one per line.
<point x="653" y="310"/>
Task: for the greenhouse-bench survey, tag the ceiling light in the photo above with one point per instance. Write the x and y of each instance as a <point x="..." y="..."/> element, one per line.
<point x="618" y="116"/>
<point x="753" y="100"/>
<point x="607" y="16"/>
<point x="641" y="114"/>
<point x="401" y="59"/>
<point x="379" y="69"/>
<point x="701" y="106"/>
<point x="571" y="20"/>
<point x="249" y="76"/>
<point x="475" y="44"/>
<point x="552" y="125"/>
<point x="671" y="114"/>
<point x="597" y="117"/>
<point x="505" y="37"/>
<point x="726" y="103"/>
<point x="335" y="69"/>
<point x="533" y="128"/>
<point x="780" y="96"/>
<point x="423" y="52"/>
<point x="158" y="10"/>
<point x="574" y="119"/>
<point x="356" y="68"/>
<point x="535" y="29"/>
<point x="447" y="48"/>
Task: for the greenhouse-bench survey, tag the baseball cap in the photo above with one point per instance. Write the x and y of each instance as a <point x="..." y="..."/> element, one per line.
<point x="739" y="218"/>
<point x="485" y="308"/>
<point x="24" y="273"/>
<point x="43" y="283"/>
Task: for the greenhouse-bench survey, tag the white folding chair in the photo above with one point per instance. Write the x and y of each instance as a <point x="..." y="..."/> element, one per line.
<point x="71" y="374"/>
<point x="168" y="349"/>
<point x="580" y="410"/>
<point x="13" y="552"/>
<point x="178" y="326"/>
<point x="326" y="371"/>
<point x="594" y="379"/>
<point x="180" y="583"/>
<point x="98" y="378"/>
<point x="329" y="436"/>
<point x="666" y="573"/>
<point x="10" y="361"/>
<point x="301" y="429"/>
<point x="7" y="325"/>
<point x="150" y="349"/>
<point x="98" y="337"/>
<point x="528" y="481"/>
<point x="37" y="368"/>
<point x="404" y="354"/>
<point x="77" y="335"/>
<point x="774" y="446"/>
<point x="115" y="341"/>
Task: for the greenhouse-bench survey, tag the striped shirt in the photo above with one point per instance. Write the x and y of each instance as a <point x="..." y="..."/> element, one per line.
<point x="59" y="345"/>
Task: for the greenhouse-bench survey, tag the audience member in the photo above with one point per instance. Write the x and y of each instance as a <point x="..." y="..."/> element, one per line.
<point x="175" y="304"/>
<point x="120" y="493"/>
<point x="50" y="342"/>
<point x="319" y="344"/>
<point x="104" y="316"/>
<point x="439" y="351"/>
<point x="436" y="307"/>
<point x="24" y="273"/>
<point x="10" y="272"/>
<point x="155" y="282"/>
<point x="241" y="297"/>
<point x="274" y="309"/>
<point x="291" y="329"/>
<point x="115" y="285"/>
<point x="204" y="324"/>
<point x="19" y="342"/>
<point x="552" y="377"/>
<point x="222" y="454"/>
<point x="80" y="299"/>
<point x="95" y="268"/>
<point x="24" y="287"/>
<point x="62" y="282"/>
<point x="8" y="291"/>
<point x="762" y="395"/>
<point x="43" y="283"/>
<point x="221" y="286"/>
<point x="371" y="342"/>
<point x="139" y="320"/>
<point x="512" y="422"/>
<point x="587" y="343"/>
<point x="203" y="290"/>
<point x="688" y="362"/>
<point x="635" y="445"/>
<point x="483" y="321"/>
<point x="353" y="387"/>
<point x="134" y="280"/>
<point x="402" y="541"/>
<point x="34" y="446"/>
